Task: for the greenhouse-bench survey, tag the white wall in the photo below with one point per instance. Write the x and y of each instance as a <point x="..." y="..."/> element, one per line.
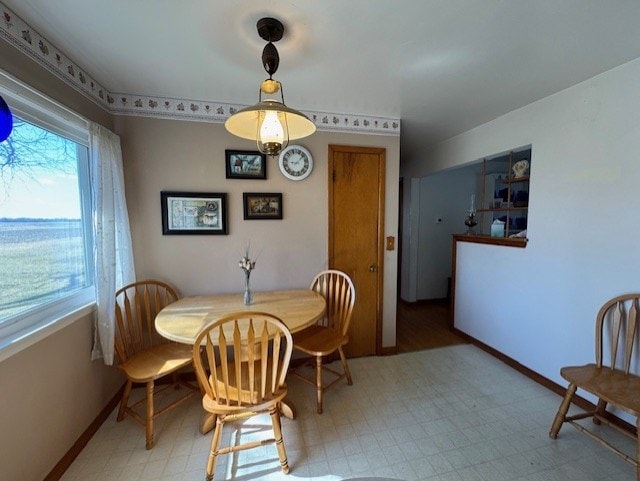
<point x="538" y="304"/>
<point x="446" y="196"/>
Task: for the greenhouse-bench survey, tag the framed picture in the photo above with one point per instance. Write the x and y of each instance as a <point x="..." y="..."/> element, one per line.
<point x="193" y="213"/>
<point x="245" y="164"/>
<point x="262" y="205"/>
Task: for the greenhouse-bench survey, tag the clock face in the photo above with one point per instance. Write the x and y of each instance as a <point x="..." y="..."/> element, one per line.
<point x="296" y="162"/>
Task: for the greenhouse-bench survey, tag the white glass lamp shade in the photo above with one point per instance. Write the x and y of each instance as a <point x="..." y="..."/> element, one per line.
<point x="271" y="124"/>
<point x="271" y="130"/>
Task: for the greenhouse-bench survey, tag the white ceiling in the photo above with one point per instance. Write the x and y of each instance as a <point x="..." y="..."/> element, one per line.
<point x="441" y="66"/>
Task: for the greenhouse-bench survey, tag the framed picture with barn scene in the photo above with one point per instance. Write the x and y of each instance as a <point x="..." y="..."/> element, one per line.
<point x="193" y="213"/>
<point x="245" y="164"/>
<point x="262" y="205"/>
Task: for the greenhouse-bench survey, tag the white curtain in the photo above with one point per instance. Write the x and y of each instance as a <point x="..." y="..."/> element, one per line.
<point x="113" y="254"/>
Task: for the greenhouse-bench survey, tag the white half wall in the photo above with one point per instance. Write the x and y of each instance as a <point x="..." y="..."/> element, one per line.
<point x="538" y="304"/>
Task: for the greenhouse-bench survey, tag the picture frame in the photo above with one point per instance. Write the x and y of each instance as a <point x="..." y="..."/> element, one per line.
<point x="193" y="213"/>
<point x="262" y="205"/>
<point x="245" y="164"/>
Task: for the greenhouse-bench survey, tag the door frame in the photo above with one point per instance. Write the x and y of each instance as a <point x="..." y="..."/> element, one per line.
<point x="382" y="156"/>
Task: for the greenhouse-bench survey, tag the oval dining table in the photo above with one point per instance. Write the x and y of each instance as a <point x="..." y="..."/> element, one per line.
<point x="181" y="321"/>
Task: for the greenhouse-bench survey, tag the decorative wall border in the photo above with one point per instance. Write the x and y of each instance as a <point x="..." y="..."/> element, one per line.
<point x="18" y="33"/>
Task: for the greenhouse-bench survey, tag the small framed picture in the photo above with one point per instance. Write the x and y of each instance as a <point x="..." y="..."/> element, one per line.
<point x="262" y="205"/>
<point x="245" y="164"/>
<point x="193" y="213"/>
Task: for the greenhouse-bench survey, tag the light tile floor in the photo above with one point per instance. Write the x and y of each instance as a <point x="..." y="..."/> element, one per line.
<point x="447" y="414"/>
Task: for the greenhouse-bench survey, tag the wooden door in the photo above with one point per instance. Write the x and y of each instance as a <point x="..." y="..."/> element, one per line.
<point x="356" y="229"/>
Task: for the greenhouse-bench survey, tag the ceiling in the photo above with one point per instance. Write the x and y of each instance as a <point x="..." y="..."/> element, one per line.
<point x="441" y="66"/>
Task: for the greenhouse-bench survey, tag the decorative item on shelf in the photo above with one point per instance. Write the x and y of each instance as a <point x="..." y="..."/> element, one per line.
<point x="520" y="169"/>
<point x="270" y="122"/>
<point x="521" y="198"/>
<point x="247" y="265"/>
<point x="497" y="228"/>
<point x="521" y="234"/>
<point x="471" y="221"/>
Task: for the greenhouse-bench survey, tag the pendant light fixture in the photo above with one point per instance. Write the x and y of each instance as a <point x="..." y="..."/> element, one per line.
<point x="270" y="122"/>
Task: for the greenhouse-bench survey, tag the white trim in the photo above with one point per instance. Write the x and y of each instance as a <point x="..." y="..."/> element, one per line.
<point x="26" y="337"/>
<point x="35" y="107"/>
<point x="22" y="330"/>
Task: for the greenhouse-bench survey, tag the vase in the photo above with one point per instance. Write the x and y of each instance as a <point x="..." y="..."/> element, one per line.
<point x="247" y="298"/>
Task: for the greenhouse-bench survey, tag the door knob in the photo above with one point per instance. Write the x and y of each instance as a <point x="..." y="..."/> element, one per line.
<point x="373" y="268"/>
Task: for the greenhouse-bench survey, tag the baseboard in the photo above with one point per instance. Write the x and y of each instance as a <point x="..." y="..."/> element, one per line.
<point x="59" y="469"/>
<point x="389" y="351"/>
<point x="421" y="302"/>
<point x="579" y="401"/>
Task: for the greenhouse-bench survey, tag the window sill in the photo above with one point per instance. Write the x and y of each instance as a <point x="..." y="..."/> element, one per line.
<point x="498" y="241"/>
<point x="20" y="340"/>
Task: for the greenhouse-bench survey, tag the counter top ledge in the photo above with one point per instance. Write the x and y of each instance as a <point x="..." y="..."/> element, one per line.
<point x="498" y="241"/>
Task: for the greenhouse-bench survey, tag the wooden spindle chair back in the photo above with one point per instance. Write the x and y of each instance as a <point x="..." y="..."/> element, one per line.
<point x="242" y="369"/>
<point x="247" y="356"/>
<point x="136" y="307"/>
<point x="617" y="322"/>
<point x="329" y="334"/>
<point x="337" y="289"/>
<point x="611" y="378"/>
<point x="145" y="356"/>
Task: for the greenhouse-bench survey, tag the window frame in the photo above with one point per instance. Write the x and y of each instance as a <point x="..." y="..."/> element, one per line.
<point x="24" y="329"/>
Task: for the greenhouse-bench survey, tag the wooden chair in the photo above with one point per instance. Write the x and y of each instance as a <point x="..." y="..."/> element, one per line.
<point x="610" y="378"/>
<point x="330" y="333"/>
<point x="242" y="371"/>
<point x="143" y="354"/>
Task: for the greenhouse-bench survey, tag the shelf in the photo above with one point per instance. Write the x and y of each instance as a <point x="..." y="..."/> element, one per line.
<point x="485" y="239"/>
<point x="503" y="209"/>
<point x="513" y="180"/>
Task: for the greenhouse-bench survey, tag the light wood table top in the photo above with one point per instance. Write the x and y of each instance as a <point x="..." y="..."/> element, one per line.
<point x="182" y="320"/>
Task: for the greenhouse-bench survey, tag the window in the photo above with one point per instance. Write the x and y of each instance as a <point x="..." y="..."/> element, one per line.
<point x="45" y="216"/>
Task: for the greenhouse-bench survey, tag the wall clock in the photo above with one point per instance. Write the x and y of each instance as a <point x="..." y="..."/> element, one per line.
<point x="295" y="162"/>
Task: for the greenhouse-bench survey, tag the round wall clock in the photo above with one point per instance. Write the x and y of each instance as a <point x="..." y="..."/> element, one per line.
<point x="295" y="162"/>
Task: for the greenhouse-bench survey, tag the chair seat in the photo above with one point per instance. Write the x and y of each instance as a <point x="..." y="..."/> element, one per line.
<point x="614" y="386"/>
<point x="157" y="361"/>
<point x="245" y="393"/>
<point x="220" y="407"/>
<point x="319" y="340"/>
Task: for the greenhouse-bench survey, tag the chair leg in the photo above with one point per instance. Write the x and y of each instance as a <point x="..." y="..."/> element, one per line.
<point x="343" y="358"/>
<point x="319" y="383"/>
<point x="600" y="409"/>
<point x="277" y="431"/>
<point x="213" y="453"/>
<point x="149" y="417"/>
<point x="125" y="399"/>
<point x="638" y="449"/>
<point x="562" y="411"/>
